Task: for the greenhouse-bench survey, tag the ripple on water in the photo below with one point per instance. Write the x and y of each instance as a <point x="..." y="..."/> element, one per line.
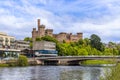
<point x="51" y="73"/>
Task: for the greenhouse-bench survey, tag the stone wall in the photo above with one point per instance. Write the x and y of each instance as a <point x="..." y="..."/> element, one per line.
<point x="68" y="37"/>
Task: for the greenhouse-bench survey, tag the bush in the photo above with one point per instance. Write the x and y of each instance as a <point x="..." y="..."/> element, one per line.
<point x="4" y="65"/>
<point x="22" y="61"/>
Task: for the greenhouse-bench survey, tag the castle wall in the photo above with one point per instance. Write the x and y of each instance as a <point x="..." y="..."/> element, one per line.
<point x="60" y="37"/>
<point x="74" y="38"/>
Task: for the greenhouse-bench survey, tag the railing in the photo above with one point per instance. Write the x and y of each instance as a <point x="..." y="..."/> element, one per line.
<point x="80" y="57"/>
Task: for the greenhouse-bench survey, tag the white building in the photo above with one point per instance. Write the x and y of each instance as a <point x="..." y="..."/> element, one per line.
<point x="44" y="48"/>
<point x="6" y="41"/>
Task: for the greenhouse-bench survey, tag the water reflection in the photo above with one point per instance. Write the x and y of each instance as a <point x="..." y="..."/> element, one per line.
<point x="71" y="75"/>
<point x="84" y="74"/>
<point x="51" y="73"/>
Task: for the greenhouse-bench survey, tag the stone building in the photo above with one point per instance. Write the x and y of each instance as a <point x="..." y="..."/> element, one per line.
<point x="68" y="37"/>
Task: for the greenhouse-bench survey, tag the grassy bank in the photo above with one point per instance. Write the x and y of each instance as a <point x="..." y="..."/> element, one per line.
<point x="98" y="62"/>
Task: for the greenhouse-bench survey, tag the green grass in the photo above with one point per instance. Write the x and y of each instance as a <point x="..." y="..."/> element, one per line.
<point x="97" y="62"/>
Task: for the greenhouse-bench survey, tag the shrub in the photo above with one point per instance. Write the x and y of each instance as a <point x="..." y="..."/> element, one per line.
<point x="22" y="61"/>
<point x="4" y="65"/>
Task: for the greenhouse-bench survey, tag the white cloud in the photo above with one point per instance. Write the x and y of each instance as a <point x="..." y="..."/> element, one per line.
<point x="100" y="17"/>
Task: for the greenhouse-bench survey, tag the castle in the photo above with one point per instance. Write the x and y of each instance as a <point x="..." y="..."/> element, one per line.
<point x="41" y="32"/>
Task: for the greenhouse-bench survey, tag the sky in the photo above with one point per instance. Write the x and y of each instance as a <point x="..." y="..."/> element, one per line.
<point x="100" y="17"/>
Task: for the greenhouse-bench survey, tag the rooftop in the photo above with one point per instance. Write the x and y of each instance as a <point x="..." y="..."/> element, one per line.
<point x="2" y="33"/>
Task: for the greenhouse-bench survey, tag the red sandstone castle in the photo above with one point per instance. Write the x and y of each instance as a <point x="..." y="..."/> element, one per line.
<point x="68" y="37"/>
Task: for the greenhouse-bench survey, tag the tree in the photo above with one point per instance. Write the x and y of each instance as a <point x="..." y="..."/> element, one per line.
<point x="95" y="42"/>
<point x="86" y="41"/>
<point x="80" y="42"/>
<point x="38" y="39"/>
<point x="82" y="52"/>
<point x="64" y="41"/>
<point x="28" y="39"/>
<point x="49" y="38"/>
<point x="22" y="61"/>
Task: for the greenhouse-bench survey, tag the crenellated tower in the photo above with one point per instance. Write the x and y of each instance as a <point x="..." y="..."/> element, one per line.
<point x="49" y="32"/>
<point x="34" y="34"/>
<point x="80" y="35"/>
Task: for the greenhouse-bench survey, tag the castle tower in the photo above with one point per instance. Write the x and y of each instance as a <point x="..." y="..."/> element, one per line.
<point x="38" y="22"/>
<point x="49" y="32"/>
<point x="41" y="29"/>
<point x="80" y="35"/>
<point x="34" y="34"/>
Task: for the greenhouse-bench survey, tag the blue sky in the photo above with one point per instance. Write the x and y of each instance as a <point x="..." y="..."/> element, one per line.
<point x="101" y="17"/>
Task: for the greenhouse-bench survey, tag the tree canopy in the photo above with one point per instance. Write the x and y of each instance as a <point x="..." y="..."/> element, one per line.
<point x="95" y="42"/>
<point x="86" y="46"/>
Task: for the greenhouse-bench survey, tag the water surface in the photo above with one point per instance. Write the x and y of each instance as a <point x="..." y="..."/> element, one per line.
<point x="51" y="73"/>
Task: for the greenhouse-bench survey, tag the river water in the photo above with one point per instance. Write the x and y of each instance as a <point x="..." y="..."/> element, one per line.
<point x="51" y="73"/>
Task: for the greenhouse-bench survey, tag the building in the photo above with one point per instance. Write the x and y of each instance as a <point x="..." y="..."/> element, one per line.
<point x="11" y="48"/>
<point x="7" y="47"/>
<point x="6" y="41"/>
<point x="9" y="42"/>
<point x="68" y="37"/>
<point x="21" y="45"/>
<point x="44" y="48"/>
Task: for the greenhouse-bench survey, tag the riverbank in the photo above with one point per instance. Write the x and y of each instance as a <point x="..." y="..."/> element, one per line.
<point x="21" y="61"/>
<point x="98" y="63"/>
<point x="31" y="62"/>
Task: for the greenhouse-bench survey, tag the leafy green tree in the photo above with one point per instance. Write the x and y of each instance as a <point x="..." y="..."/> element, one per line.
<point x="87" y="41"/>
<point x="49" y="38"/>
<point x="28" y="39"/>
<point x="82" y="52"/>
<point x="111" y="45"/>
<point x="108" y="51"/>
<point x="64" y="41"/>
<point x="73" y="44"/>
<point x="81" y="42"/>
<point x="38" y="39"/>
<point x="95" y="42"/>
<point x="31" y="45"/>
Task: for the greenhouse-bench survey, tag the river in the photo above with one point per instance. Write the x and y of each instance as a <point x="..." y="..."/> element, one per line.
<point x="51" y="73"/>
